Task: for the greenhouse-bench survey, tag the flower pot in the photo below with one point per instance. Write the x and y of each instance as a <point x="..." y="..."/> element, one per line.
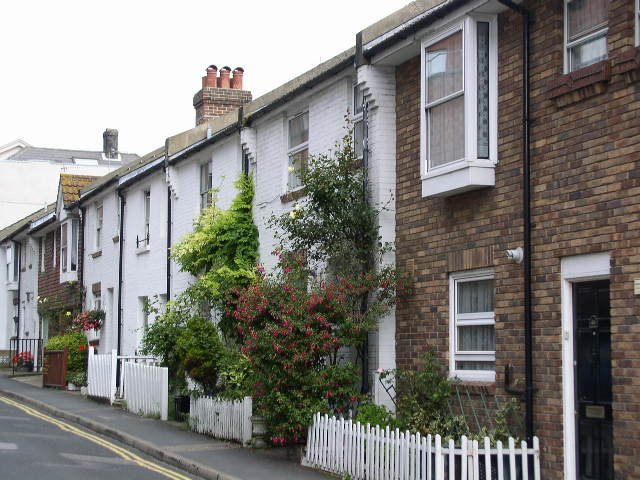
<point x="71" y="387"/>
<point x="258" y="431"/>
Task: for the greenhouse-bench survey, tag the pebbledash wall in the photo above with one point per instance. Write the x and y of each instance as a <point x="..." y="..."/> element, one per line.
<point x="585" y="200"/>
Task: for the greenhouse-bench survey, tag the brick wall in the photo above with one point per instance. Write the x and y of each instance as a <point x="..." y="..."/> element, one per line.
<point x="211" y="102"/>
<point x="585" y="187"/>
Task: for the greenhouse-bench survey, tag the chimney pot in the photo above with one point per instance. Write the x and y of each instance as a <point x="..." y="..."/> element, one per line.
<point x="210" y="80"/>
<point x="224" y="77"/>
<point x="236" y="81"/>
<point x="110" y="143"/>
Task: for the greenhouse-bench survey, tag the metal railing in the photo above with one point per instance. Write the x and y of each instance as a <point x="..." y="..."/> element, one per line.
<point x="25" y="355"/>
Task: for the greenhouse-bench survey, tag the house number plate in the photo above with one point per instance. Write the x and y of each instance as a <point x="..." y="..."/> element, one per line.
<point x="594" y="411"/>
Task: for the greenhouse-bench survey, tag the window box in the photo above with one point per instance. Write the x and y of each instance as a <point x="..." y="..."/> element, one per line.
<point x="459" y="107"/>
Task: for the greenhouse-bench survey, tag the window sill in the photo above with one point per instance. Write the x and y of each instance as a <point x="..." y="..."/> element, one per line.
<point x="465" y="178"/>
<point x="293" y="195"/>
<point x="481" y="378"/>
<point x="141" y="250"/>
<point x="12" y="285"/>
<point x="580" y="85"/>
<point x="96" y="254"/>
<point x="628" y="64"/>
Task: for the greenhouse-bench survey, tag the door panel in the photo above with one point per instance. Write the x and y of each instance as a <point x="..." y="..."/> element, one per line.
<point x="592" y="353"/>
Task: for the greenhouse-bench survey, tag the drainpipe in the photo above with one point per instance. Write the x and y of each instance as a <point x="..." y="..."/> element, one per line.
<point x="17" y="248"/>
<point x="120" y="261"/>
<point x="526" y="207"/>
<point x="169" y="220"/>
<point x="80" y="260"/>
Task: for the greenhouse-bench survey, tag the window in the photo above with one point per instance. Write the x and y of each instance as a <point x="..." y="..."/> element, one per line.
<point x="206" y="183"/>
<point x="472" y="330"/>
<point x="144" y="312"/>
<point x="585" y="32"/>
<point x="97" y="301"/>
<point x="11" y="267"/>
<point x="637" y="15"/>
<point x="42" y="244"/>
<point x="54" y="251"/>
<point x="249" y="165"/>
<point x="74" y="245"/>
<point x="459" y="115"/>
<point x="99" y="220"/>
<point x="63" y="247"/>
<point x="298" y="149"/>
<point x="144" y="241"/>
<point x="358" y="121"/>
<point x="69" y="246"/>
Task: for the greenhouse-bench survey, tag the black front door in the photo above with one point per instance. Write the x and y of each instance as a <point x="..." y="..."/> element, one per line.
<point x="592" y="323"/>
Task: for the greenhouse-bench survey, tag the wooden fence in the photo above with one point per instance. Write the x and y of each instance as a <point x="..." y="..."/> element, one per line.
<point x="147" y="389"/>
<point x="228" y="420"/>
<point x="54" y="372"/>
<point x="101" y="375"/>
<point x="344" y="447"/>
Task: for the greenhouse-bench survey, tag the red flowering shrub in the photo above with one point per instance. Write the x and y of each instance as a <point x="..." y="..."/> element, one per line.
<point x="89" y="320"/>
<point x="293" y="335"/>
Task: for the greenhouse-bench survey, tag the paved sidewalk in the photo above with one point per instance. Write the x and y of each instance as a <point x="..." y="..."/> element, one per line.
<point x="196" y="454"/>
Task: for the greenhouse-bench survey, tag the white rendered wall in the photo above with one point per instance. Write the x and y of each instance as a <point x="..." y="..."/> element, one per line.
<point x="225" y="160"/>
<point x="379" y="88"/>
<point x="327" y="105"/>
<point x="29" y="320"/>
<point x="103" y="268"/>
<point x="27" y="186"/>
<point x="6" y="303"/>
<point x="144" y="270"/>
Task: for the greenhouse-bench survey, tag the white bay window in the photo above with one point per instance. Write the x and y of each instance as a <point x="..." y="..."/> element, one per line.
<point x="298" y="133"/>
<point x="472" y="329"/>
<point x="459" y="114"/>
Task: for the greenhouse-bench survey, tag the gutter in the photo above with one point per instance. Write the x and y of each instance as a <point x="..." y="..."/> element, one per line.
<point x="42" y="222"/>
<point x="406" y="30"/>
<point x="120" y="282"/>
<point x="526" y="208"/>
<point x="196" y="147"/>
<point x="140" y="173"/>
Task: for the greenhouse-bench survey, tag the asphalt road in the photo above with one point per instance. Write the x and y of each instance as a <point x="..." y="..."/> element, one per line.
<point x="35" y="446"/>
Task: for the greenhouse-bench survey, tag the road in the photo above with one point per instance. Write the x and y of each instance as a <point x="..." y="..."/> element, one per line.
<point x="35" y="446"/>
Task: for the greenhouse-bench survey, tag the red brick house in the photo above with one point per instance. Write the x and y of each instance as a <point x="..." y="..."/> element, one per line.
<point x="518" y="211"/>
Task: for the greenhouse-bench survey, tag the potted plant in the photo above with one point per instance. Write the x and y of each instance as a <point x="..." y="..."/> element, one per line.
<point x="23" y="361"/>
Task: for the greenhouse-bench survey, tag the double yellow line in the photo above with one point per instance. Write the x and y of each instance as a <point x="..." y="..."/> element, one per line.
<point x="125" y="454"/>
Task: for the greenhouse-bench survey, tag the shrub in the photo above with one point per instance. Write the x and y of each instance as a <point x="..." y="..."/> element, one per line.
<point x="374" y="414"/>
<point x="77" y="344"/>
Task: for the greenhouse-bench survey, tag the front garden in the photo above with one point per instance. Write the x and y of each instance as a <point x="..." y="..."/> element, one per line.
<point x="295" y="338"/>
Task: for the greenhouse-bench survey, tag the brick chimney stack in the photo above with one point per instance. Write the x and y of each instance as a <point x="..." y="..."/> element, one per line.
<point x="110" y="143"/>
<point x="220" y="93"/>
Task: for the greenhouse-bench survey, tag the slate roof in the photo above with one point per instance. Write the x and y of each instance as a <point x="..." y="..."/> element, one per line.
<point x="72" y="184"/>
<point x="57" y="155"/>
<point x="15" y="228"/>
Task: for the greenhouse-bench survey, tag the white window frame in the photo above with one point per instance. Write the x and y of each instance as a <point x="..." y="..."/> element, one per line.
<point x="64" y="247"/>
<point x="358" y="117"/>
<point x="600" y="32"/>
<point x="637" y="22"/>
<point x="67" y="245"/>
<point x="205" y="189"/>
<point x="55" y="251"/>
<point x="291" y="151"/>
<point x="97" y="301"/>
<point x="9" y="255"/>
<point x="99" y="226"/>
<point x="484" y="318"/>
<point x="467" y="25"/>
<point x="42" y="242"/>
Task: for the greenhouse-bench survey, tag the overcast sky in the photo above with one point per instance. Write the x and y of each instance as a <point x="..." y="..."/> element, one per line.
<point x="70" y="69"/>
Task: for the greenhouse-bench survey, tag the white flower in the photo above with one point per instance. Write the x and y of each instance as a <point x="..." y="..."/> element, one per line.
<point x="292" y="214"/>
<point x="291" y="169"/>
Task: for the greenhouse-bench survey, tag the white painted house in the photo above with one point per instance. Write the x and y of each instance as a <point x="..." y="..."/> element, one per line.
<point x="29" y="175"/>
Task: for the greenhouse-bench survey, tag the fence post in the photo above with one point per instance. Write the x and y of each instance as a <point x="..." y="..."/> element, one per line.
<point x="247" y="411"/>
<point x="164" y="393"/>
<point x="112" y="380"/>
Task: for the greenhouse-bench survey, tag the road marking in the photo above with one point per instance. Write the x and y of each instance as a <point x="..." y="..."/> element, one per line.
<point x="123" y="453"/>
<point x="8" y="446"/>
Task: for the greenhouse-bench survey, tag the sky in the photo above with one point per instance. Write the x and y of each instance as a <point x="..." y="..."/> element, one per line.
<point x="69" y="69"/>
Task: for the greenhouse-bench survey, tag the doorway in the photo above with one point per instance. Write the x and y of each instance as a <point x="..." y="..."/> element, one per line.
<point x="592" y="373"/>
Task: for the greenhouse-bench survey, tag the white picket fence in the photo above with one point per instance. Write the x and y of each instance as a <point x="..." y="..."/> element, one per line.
<point x="345" y="447"/>
<point x="146" y="389"/>
<point x="228" y="420"/>
<point x="101" y="375"/>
